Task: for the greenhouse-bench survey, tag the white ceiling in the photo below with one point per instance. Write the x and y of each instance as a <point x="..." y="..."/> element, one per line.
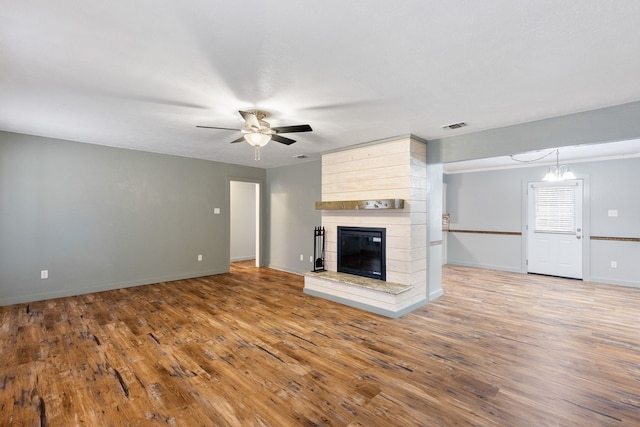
<point x="142" y="74"/>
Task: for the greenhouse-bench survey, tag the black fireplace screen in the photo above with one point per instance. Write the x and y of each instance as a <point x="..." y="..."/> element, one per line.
<point x="361" y="251"/>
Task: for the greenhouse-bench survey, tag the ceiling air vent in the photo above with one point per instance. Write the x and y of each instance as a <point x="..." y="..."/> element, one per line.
<point x="300" y="156"/>
<point x="454" y="126"/>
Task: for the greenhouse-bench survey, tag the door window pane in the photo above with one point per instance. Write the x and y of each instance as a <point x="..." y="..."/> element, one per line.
<point x="555" y="209"/>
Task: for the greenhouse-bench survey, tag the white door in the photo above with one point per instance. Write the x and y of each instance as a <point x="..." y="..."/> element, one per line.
<point x="554" y="228"/>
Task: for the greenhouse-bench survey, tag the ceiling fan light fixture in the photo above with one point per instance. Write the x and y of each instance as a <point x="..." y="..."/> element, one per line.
<point x="258" y="132"/>
<point x="257" y="139"/>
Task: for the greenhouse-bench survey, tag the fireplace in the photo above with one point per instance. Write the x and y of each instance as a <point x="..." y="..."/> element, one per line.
<point x="361" y="251"/>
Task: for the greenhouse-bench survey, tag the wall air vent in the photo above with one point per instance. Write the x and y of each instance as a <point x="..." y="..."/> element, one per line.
<point x="454" y="126"/>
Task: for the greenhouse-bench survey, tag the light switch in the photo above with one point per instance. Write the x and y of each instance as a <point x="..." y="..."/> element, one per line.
<point x="613" y="212"/>
<point x="216" y="211"/>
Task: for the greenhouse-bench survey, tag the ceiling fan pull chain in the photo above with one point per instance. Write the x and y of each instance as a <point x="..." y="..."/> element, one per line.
<point x="257" y="152"/>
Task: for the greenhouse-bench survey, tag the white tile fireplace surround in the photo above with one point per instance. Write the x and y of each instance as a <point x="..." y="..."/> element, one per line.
<point x="393" y="169"/>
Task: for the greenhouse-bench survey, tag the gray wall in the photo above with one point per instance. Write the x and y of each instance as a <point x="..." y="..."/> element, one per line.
<point x="242" y="220"/>
<point x="293" y="191"/>
<point x="618" y="189"/>
<point x="495" y="201"/>
<point x="102" y="218"/>
<point x="618" y="123"/>
<point x="486" y="201"/>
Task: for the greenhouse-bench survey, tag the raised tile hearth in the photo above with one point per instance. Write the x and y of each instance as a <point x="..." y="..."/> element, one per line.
<point x="363" y="282"/>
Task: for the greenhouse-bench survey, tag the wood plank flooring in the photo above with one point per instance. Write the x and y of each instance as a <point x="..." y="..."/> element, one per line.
<point x="248" y="348"/>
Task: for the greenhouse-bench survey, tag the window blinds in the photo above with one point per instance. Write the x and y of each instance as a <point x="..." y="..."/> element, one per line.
<point x="555" y="209"/>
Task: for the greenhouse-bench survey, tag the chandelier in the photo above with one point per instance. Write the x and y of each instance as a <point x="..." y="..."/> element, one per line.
<point x="558" y="172"/>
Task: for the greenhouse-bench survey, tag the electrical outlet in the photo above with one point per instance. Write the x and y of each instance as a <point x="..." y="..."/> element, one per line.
<point x="216" y="211"/>
<point x="310" y="258"/>
<point x="612" y="212"/>
<point x="44" y="274"/>
<point x="199" y="257"/>
<point x="301" y="257"/>
<point x="614" y="264"/>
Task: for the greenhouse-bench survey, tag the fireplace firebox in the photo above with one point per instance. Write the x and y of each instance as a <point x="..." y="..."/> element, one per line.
<point x="361" y="251"/>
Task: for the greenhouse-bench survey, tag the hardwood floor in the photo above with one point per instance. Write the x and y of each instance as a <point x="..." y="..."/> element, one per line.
<point x="249" y="348"/>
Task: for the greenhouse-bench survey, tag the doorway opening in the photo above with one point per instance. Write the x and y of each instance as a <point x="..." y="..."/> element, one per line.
<point x="244" y="223"/>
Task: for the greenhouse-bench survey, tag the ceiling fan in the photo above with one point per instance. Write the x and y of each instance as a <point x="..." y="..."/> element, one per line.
<point x="257" y="132"/>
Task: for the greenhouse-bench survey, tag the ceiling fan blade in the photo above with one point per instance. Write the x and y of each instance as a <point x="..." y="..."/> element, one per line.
<point x="238" y="140"/>
<point x="216" y="127"/>
<point x="291" y="129"/>
<point x="282" y="139"/>
<point x="250" y="119"/>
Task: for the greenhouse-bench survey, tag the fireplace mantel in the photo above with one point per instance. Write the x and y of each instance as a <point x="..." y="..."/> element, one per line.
<point x="361" y="204"/>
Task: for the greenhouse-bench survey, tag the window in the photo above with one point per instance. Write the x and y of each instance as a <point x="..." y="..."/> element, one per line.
<point x="555" y="209"/>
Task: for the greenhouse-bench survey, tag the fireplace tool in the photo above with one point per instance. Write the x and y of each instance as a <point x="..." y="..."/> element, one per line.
<point x="318" y="249"/>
